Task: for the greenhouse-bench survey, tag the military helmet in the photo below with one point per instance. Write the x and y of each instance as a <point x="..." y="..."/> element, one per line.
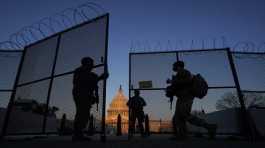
<point x="87" y="61"/>
<point x="179" y="64"/>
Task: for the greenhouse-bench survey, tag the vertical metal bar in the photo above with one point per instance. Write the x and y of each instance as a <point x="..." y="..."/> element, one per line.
<point x="214" y="43"/>
<point x="177" y="55"/>
<point x="129" y="88"/>
<point x="236" y="80"/>
<point x="245" y="115"/>
<point x="51" y="84"/>
<point x="103" y="125"/>
<point x="13" y="95"/>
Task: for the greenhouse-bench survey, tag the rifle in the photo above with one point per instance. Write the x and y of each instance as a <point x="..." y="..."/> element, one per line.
<point x="171" y="97"/>
<point x="97" y="97"/>
<point x="171" y="100"/>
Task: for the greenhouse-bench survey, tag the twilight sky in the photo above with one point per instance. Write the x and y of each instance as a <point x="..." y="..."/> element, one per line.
<point x="152" y="21"/>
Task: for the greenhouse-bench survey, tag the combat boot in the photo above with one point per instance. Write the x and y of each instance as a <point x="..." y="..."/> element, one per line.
<point x="211" y="130"/>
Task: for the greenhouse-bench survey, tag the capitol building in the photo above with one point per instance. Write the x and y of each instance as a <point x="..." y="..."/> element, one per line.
<point x="118" y="107"/>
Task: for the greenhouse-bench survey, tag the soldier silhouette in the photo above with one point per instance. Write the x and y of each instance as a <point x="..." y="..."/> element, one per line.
<point x="85" y="94"/>
<point x="136" y="104"/>
<point x="181" y="85"/>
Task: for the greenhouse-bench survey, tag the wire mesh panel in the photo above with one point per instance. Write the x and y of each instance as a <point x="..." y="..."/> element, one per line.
<point x="62" y="100"/>
<point x="30" y="99"/>
<point x="216" y="108"/>
<point x="155" y="68"/>
<point x="87" y="40"/>
<point x="29" y="108"/>
<point x="4" y="99"/>
<point x="38" y="61"/>
<point x="255" y="102"/>
<point x="149" y="72"/>
<point x="43" y="95"/>
<point x="251" y="70"/>
<point x="4" y="96"/>
<point x="9" y="61"/>
<point x="97" y="110"/>
<point x="212" y="65"/>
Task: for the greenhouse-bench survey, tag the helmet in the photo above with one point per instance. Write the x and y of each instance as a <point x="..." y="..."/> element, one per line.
<point x="87" y="61"/>
<point x="179" y="64"/>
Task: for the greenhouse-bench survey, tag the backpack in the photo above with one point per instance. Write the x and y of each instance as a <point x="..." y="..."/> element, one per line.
<point x="199" y="86"/>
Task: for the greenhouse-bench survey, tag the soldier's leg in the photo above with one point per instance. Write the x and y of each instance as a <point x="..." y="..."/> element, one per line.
<point x="202" y="123"/>
<point x="132" y="119"/>
<point x="85" y="114"/>
<point x="140" y="118"/>
<point x="183" y="129"/>
<point x="78" y="119"/>
<point x="185" y="105"/>
<point x="81" y="117"/>
<point x="179" y="123"/>
<point x="198" y="121"/>
<point x="174" y="123"/>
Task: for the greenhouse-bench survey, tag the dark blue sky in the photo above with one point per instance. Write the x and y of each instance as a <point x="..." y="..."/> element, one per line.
<point x="151" y="20"/>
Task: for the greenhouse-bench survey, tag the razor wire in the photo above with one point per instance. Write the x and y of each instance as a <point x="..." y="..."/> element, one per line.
<point x="52" y="25"/>
<point x="246" y="49"/>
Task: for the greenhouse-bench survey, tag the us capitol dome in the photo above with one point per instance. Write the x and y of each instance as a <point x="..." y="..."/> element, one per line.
<point x="116" y="107"/>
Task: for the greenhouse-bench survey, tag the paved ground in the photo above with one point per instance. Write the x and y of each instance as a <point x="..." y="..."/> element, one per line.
<point x="161" y="141"/>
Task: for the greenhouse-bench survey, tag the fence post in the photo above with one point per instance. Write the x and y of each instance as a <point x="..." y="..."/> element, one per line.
<point x="45" y="118"/>
<point x="130" y="88"/>
<point x="147" y="127"/>
<point x="249" y="127"/>
<point x="103" y="120"/>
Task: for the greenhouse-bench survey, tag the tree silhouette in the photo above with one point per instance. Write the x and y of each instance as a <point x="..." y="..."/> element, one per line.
<point x="230" y="100"/>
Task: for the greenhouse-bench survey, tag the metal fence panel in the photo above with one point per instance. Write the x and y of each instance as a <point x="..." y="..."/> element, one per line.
<point x="251" y="70"/>
<point x="151" y="67"/>
<point x="221" y="104"/>
<point x="61" y="98"/>
<point x="212" y="65"/>
<point x="28" y="108"/>
<point x="38" y="61"/>
<point x="88" y="40"/>
<point x="46" y="77"/>
<point x="9" y="61"/>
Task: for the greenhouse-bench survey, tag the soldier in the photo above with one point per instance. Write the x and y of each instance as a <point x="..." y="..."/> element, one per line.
<point x="85" y="94"/>
<point x="136" y="104"/>
<point x="181" y="87"/>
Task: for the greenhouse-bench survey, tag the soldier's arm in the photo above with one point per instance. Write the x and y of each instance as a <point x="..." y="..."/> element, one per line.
<point x="103" y="76"/>
<point x="96" y="94"/>
<point x="75" y="77"/>
<point x="143" y="102"/>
